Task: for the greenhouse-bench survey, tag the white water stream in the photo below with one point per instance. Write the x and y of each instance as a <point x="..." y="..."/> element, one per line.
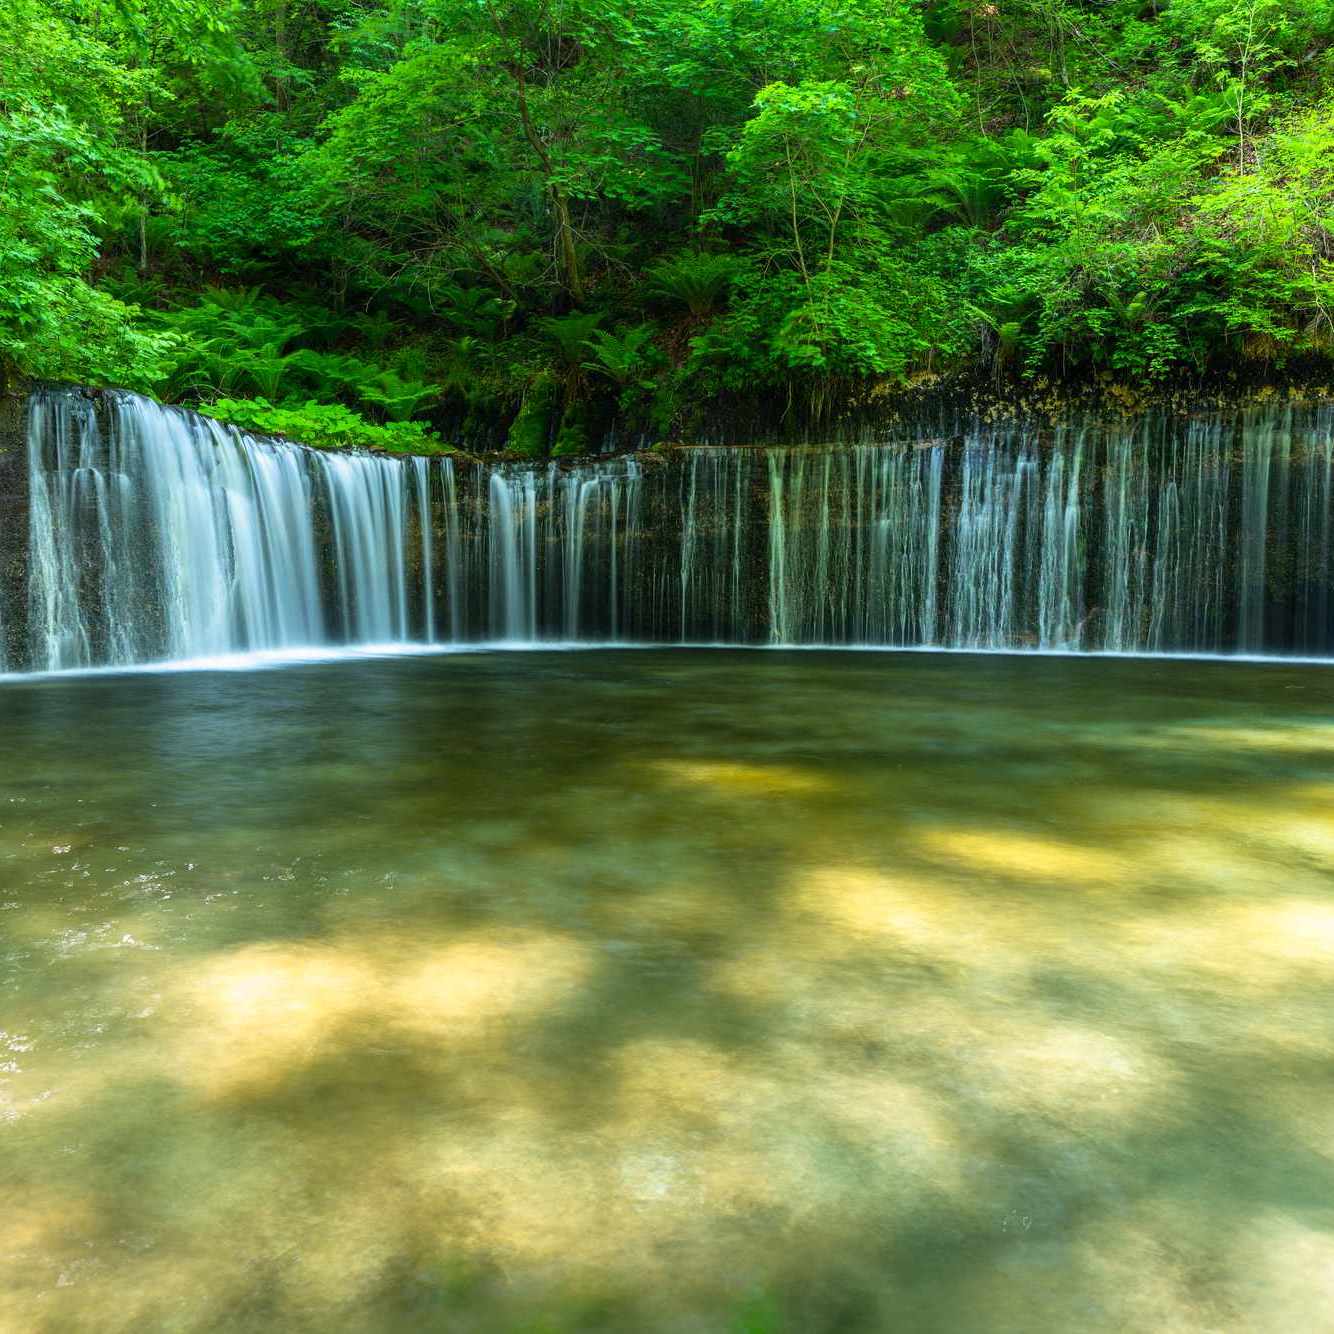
<point x="156" y="535"/>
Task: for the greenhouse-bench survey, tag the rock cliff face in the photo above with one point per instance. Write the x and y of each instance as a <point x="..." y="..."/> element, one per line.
<point x="13" y="524"/>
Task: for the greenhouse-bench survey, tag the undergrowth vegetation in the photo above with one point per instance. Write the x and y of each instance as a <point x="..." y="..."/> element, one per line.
<point x="533" y="223"/>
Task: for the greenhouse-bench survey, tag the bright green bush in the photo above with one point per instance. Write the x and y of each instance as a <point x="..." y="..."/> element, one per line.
<point x="325" y="426"/>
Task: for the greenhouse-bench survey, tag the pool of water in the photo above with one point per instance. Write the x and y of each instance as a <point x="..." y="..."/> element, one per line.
<point x="669" y="991"/>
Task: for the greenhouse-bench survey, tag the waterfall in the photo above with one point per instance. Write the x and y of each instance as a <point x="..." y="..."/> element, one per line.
<point x="854" y="545"/>
<point x="165" y="537"/>
<point x="715" y="489"/>
<point x="156" y="534"/>
<point x="1061" y="555"/>
<point x="590" y="548"/>
<point x="1258" y="445"/>
<point x="983" y="593"/>
<point x="512" y="583"/>
<point x="421" y="468"/>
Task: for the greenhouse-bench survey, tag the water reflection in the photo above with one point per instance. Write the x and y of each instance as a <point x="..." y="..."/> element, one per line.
<point x="679" y="992"/>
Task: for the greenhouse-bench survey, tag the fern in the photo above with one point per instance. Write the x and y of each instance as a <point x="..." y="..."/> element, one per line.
<point x="569" y="336"/>
<point x="700" y="282"/>
<point x="621" y="358"/>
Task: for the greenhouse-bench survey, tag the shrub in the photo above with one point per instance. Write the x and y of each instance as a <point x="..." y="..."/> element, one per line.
<point x="325" y="426"/>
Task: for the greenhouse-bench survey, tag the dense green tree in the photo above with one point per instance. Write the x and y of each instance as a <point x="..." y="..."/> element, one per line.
<point x="525" y="220"/>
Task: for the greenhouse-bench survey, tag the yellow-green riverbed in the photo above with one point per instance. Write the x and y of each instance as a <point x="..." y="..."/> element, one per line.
<point x="675" y="992"/>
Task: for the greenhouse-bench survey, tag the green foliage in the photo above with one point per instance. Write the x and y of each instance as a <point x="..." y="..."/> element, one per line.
<point x="325" y="426"/>
<point x="238" y="205"/>
<point x="698" y="281"/>
<point x="590" y="210"/>
<point x="572" y="438"/>
<point x="531" y="431"/>
<point x="61" y="172"/>
<point x="243" y="341"/>
<point x="568" y="337"/>
<point x="624" y="359"/>
<point x="1141" y="245"/>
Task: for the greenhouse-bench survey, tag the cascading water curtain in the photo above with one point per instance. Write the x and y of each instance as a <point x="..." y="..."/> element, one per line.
<point x="154" y="533"/>
<point x="168" y="536"/>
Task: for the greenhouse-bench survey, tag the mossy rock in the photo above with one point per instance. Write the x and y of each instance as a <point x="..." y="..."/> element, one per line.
<point x="531" y="429"/>
<point x="572" y="439"/>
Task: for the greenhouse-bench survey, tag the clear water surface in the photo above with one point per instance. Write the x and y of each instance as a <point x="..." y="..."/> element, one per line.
<point x="669" y="991"/>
